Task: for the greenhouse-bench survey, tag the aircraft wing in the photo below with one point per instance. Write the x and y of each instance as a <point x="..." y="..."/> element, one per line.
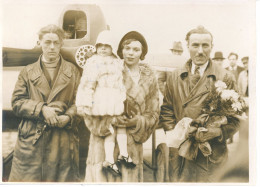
<point x="13" y="57"/>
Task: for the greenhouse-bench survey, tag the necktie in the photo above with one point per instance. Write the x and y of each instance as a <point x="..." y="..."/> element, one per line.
<point x="195" y="77"/>
<point x="197" y="70"/>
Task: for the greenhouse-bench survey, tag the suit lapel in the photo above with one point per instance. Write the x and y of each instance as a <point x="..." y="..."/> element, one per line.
<point x="203" y="85"/>
<point x="62" y="80"/>
<point x="201" y="88"/>
<point x="39" y="80"/>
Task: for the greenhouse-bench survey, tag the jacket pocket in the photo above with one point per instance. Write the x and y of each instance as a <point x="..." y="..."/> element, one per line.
<point x="25" y="129"/>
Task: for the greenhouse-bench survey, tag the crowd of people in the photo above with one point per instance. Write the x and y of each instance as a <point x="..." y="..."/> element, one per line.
<point x="117" y="96"/>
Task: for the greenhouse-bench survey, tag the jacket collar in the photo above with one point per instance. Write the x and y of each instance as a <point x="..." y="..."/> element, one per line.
<point x="39" y="80"/>
<point x="209" y="71"/>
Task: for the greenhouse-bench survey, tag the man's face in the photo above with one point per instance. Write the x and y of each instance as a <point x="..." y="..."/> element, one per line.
<point x="200" y="46"/>
<point x="219" y="61"/>
<point x="232" y="60"/>
<point x="175" y="52"/>
<point x="51" y="46"/>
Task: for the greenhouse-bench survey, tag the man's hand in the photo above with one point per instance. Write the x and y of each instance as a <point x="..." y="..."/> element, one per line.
<point x="50" y="115"/>
<point x="191" y="131"/>
<point x="204" y="135"/>
<point x="63" y="120"/>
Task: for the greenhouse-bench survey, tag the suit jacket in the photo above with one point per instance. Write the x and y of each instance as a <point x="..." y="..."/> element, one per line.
<point x="236" y="72"/>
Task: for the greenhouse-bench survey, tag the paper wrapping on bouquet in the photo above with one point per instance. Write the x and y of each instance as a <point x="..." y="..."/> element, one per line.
<point x="177" y="136"/>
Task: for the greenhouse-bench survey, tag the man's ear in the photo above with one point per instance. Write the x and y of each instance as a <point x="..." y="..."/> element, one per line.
<point x="38" y="42"/>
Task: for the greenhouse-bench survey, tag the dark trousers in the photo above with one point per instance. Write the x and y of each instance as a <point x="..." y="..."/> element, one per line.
<point x="174" y="164"/>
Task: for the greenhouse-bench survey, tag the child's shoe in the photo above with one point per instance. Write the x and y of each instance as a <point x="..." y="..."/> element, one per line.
<point x="127" y="161"/>
<point x="112" y="168"/>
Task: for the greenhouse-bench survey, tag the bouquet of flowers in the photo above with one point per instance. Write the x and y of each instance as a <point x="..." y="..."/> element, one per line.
<point x="221" y="105"/>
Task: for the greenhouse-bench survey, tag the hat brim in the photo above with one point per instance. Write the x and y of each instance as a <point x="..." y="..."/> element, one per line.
<point x="218" y="58"/>
<point x="176" y="50"/>
<point x="133" y="35"/>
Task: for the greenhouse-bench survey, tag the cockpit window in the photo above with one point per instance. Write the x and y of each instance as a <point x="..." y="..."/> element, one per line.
<point x="75" y="24"/>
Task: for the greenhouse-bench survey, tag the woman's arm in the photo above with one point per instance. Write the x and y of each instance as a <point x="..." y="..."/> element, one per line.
<point x="146" y="123"/>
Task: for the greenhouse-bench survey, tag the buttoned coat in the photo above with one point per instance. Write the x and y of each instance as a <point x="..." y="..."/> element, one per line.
<point x="179" y="101"/>
<point x="50" y="154"/>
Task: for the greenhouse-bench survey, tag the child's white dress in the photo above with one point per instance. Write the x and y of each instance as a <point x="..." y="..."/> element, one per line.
<point x="101" y="88"/>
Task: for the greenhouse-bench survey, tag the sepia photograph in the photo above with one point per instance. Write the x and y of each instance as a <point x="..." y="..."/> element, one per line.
<point x="131" y="92"/>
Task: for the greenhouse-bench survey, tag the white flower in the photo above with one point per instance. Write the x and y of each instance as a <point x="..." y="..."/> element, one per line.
<point x="220" y="85"/>
<point x="237" y="106"/>
<point x="229" y="94"/>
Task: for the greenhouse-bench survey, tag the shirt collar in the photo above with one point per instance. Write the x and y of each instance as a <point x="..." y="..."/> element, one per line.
<point x="232" y="68"/>
<point x="201" y="70"/>
<point x="211" y="70"/>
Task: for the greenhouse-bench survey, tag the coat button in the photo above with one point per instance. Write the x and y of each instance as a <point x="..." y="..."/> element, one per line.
<point x="38" y="131"/>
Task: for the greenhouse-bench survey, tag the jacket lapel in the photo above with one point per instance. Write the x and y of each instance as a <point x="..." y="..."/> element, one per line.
<point x="62" y="80"/>
<point x="39" y="80"/>
<point x="203" y="86"/>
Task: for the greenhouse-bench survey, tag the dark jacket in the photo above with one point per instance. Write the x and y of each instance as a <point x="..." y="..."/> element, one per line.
<point x="181" y="102"/>
<point x="54" y="157"/>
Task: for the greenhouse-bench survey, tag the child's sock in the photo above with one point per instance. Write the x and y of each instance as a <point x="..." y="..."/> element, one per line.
<point x="122" y="141"/>
<point x="109" y="148"/>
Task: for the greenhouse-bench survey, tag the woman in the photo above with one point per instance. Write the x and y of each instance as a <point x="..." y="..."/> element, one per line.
<point x="142" y="94"/>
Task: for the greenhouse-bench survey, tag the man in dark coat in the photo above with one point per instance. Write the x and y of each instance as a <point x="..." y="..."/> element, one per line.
<point x="47" y="145"/>
<point x="185" y="91"/>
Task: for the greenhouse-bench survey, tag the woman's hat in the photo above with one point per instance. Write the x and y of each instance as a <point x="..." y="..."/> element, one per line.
<point x="177" y="46"/>
<point x="218" y="55"/>
<point x="133" y="35"/>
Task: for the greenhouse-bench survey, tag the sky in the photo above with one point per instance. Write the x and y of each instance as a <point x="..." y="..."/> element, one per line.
<point x="231" y="22"/>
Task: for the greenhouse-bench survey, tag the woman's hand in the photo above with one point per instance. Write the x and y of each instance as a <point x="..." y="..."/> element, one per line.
<point x="120" y="122"/>
<point x="132" y="122"/>
<point x="124" y="122"/>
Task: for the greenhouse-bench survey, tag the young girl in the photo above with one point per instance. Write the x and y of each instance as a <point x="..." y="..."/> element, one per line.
<point x="102" y="93"/>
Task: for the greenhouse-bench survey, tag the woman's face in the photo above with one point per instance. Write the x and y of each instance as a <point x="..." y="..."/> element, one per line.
<point x="132" y="53"/>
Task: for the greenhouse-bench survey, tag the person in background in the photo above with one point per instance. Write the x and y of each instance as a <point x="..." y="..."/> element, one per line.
<point x="242" y="82"/>
<point x="233" y="67"/>
<point x="235" y="70"/>
<point x="218" y="58"/>
<point x="47" y="145"/>
<point x="176" y="50"/>
<point x="185" y="91"/>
